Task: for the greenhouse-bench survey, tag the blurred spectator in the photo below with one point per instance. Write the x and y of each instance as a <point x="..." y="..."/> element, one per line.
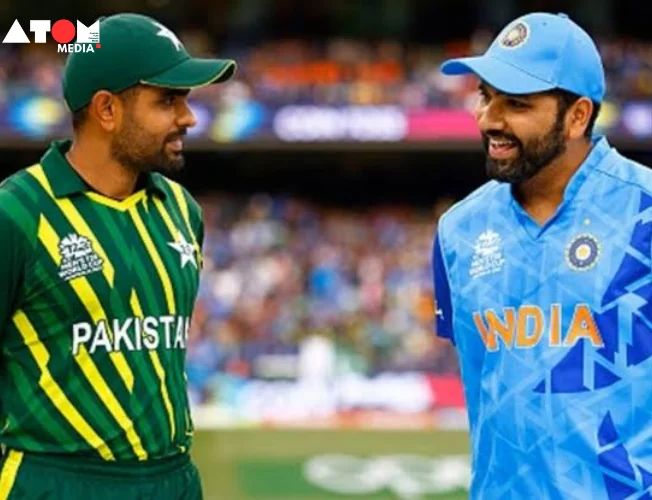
<point x="287" y="283"/>
<point x="340" y="71"/>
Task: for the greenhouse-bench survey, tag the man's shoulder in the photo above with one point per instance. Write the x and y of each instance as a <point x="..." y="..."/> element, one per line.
<point x="16" y="182"/>
<point x="626" y="173"/>
<point x="21" y="191"/>
<point x="473" y="204"/>
<point x="20" y="202"/>
<point x="185" y="201"/>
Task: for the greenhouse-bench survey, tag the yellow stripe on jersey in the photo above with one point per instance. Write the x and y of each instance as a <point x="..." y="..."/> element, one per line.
<point x="84" y="291"/>
<point x="156" y="258"/>
<point x="158" y="367"/>
<point x="74" y="217"/>
<point x="88" y="297"/>
<point x="81" y="286"/>
<point x="174" y="231"/>
<point x="183" y="204"/>
<point x="90" y="300"/>
<point x="9" y="472"/>
<point x="120" y="205"/>
<point x="53" y="390"/>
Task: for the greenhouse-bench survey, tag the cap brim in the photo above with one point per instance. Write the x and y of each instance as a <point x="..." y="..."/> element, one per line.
<point x="193" y="73"/>
<point x="500" y="75"/>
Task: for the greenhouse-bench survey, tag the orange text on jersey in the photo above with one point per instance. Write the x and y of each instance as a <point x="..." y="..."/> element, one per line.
<point x="526" y="326"/>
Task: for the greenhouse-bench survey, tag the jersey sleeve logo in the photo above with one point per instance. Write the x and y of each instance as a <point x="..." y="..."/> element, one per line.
<point x="488" y="255"/>
<point x="583" y="252"/>
<point x="77" y="257"/>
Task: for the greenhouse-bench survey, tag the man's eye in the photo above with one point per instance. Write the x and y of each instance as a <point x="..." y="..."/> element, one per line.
<point x="515" y="103"/>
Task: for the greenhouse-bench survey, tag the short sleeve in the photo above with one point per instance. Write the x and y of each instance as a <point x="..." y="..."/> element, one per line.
<point x="13" y="255"/>
<point x="443" y="302"/>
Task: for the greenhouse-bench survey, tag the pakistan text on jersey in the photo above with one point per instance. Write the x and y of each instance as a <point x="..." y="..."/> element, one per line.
<point x="132" y="334"/>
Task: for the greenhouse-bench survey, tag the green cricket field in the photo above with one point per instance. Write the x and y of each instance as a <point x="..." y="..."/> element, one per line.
<point x="262" y="464"/>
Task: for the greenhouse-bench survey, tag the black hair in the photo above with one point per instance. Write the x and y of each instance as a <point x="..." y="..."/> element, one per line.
<point x="566" y="99"/>
<point x="80" y="116"/>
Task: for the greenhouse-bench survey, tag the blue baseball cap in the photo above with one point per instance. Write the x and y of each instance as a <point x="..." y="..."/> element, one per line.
<point x="535" y="53"/>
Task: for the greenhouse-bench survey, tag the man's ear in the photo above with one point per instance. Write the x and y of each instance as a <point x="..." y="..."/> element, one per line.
<point x="107" y="110"/>
<point x="578" y="117"/>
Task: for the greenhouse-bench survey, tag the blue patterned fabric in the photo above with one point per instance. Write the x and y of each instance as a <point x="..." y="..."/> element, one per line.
<point x="553" y="326"/>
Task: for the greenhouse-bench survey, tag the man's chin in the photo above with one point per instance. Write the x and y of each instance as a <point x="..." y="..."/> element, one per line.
<point x="173" y="162"/>
<point x="502" y="171"/>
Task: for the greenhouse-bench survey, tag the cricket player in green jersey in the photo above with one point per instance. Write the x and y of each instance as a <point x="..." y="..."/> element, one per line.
<point x="100" y="259"/>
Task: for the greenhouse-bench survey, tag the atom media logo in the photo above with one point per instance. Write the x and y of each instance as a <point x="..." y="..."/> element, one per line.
<point x="63" y="32"/>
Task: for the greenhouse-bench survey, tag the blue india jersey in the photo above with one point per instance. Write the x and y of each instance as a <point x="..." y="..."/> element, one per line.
<point x="553" y="327"/>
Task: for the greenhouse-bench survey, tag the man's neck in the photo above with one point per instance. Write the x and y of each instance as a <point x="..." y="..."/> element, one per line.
<point x="93" y="162"/>
<point x="542" y="195"/>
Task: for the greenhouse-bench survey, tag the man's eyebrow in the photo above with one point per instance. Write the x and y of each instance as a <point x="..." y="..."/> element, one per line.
<point x="176" y="92"/>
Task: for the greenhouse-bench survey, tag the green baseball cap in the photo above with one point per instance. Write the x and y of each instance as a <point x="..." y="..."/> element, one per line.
<point x="137" y="49"/>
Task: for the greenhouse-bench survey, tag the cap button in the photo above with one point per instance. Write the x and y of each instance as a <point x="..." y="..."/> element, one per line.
<point x="564" y="15"/>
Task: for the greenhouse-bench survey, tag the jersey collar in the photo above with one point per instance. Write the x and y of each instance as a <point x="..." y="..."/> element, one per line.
<point x="600" y="151"/>
<point x="66" y="182"/>
<point x="596" y="156"/>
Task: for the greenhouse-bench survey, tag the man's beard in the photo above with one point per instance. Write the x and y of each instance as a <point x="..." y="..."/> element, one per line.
<point x="532" y="157"/>
<point x="138" y="151"/>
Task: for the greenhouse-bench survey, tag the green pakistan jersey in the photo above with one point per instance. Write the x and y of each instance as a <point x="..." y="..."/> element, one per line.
<point x="94" y="319"/>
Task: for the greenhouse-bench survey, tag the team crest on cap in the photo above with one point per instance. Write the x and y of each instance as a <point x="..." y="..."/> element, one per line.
<point x="515" y="36"/>
<point x="583" y="252"/>
<point x="166" y="33"/>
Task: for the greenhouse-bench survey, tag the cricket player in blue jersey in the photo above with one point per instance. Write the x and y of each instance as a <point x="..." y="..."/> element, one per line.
<point x="543" y="279"/>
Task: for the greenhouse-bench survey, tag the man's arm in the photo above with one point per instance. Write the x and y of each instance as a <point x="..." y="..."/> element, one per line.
<point x="200" y="232"/>
<point x="443" y="305"/>
<point x="197" y="222"/>
<point x="13" y="255"/>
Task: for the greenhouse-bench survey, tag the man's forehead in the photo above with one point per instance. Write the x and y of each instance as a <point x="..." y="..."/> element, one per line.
<point x="486" y="87"/>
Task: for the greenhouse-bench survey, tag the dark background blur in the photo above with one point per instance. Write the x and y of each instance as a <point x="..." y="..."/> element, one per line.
<point x="253" y="21"/>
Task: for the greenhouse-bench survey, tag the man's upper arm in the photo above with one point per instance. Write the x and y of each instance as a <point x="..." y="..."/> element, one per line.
<point x="443" y="302"/>
<point x="13" y="255"/>
<point x="200" y="230"/>
<point x="197" y="218"/>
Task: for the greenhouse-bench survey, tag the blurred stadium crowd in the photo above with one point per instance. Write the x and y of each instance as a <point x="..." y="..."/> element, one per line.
<point x="279" y="271"/>
<point x="334" y="72"/>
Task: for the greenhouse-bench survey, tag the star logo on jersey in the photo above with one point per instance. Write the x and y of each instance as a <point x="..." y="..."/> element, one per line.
<point x="166" y="33"/>
<point x="186" y="251"/>
<point x="583" y="252"/>
<point x="78" y="258"/>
